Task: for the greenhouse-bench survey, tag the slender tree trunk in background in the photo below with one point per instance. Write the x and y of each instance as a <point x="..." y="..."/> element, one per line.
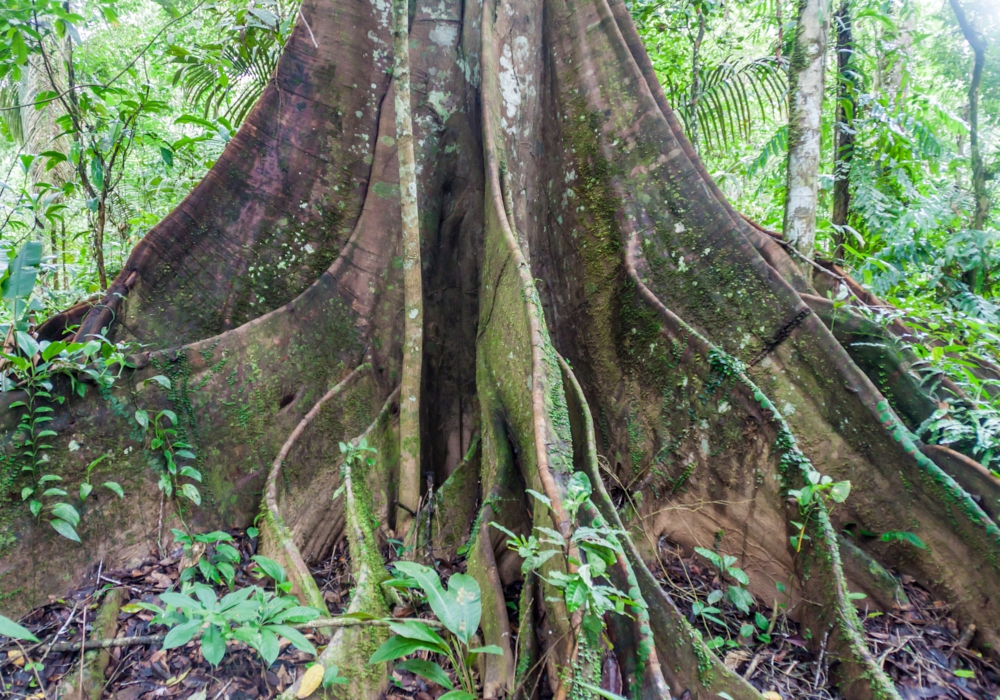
<point x="409" y="419"/>
<point x="843" y="134"/>
<point x="894" y="49"/>
<point x="41" y="133"/>
<point x="978" y="47"/>
<point x="805" y="106"/>
<point x="781" y="30"/>
<point x="696" y="80"/>
<point x="99" y="224"/>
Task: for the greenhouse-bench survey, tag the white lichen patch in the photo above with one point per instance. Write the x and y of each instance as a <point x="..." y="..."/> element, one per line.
<point x="444" y="34"/>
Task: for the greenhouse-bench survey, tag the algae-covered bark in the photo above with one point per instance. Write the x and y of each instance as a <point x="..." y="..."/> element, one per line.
<point x="562" y="214"/>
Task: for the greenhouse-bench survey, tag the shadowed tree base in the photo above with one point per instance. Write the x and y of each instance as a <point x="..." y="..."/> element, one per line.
<point x="590" y="303"/>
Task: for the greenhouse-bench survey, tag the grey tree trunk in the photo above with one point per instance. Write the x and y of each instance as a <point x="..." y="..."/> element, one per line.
<point x="805" y="104"/>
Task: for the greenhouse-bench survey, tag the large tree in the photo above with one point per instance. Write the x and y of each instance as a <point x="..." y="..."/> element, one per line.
<point x="590" y="303"/>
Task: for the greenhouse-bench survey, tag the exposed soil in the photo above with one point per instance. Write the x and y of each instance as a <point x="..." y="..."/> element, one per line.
<point x="921" y="647"/>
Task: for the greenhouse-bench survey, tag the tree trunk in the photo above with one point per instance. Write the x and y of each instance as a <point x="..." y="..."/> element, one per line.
<point x="843" y="127"/>
<point x="894" y="54"/>
<point x="805" y="108"/>
<point x="589" y="298"/>
<point x="978" y="47"/>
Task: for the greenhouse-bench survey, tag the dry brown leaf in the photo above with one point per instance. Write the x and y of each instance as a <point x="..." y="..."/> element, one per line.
<point x="310" y="681"/>
<point x="771" y="695"/>
<point x="16" y="657"/>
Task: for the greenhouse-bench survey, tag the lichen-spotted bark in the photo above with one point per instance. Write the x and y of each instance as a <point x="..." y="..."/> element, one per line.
<point x="561" y="212"/>
<point x="413" y="285"/>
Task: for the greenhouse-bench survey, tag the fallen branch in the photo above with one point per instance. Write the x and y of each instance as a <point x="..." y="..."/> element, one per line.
<point x="157" y="638"/>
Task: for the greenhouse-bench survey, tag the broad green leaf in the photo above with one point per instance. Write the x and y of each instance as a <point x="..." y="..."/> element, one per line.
<point x="85" y="488"/>
<point x="740" y="575"/>
<point x="27" y="344"/>
<point x="190" y="491"/>
<point x="213" y="646"/>
<point x="457" y="695"/>
<point x="332" y="677"/>
<point x="297" y="639"/>
<point x="597" y="690"/>
<point x="179" y="600"/>
<point x="114" y="487"/>
<point x="269" y="646"/>
<point x="427" y="669"/>
<point x="840" y="491"/>
<point x="227" y="552"/>
<point x="488" y="649"/>
<point x="9" y="628"/>
<point x="20" y="279"/>
<point x="459" y="608"/>
<point x="270" y="567"/>
<point x="395" y="647"/>
<point x="414" y="629"/>
<point x="181" y="634"/>
<point x="297" y="614"/>
<point x="67" y="513"/>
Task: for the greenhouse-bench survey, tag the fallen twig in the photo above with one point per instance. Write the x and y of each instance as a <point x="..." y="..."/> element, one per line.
<point x="157" y="638"/>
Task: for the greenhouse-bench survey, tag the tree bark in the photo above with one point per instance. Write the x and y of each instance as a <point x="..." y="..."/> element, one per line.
<point x="413" y="296"/>
<point x="805" y="107"/>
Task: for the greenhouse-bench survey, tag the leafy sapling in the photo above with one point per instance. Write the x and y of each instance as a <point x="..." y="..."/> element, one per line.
<point x="173" y="451"/>
<point x="736" y="593"/>
<point x="821" y="490"/>
<point x="216" y="566"/>
<point x="589" y="550"/>
<point x="459" y="609"/>
<point x="250" y="615"/>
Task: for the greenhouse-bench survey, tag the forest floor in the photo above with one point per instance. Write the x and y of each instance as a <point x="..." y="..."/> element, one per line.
<point x="921" y="647"/>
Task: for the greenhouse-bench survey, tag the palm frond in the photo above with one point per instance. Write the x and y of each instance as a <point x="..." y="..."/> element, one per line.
<point x="731" y="95"/>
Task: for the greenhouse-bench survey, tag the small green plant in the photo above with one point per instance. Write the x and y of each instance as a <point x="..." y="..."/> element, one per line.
<point x="86" y="488"/>
<point x="34" y="367"/>
<point x="736" y="593"/>
<point x="599" y="546"/>
<point x="358" y="455"/>
<point x="820" y="490"/>
<point x="459" y="609"/>
<point x="217" y="566"/>
<point x="900" y="536"/>
<point x="250" y="615"/>
<point x="172" y="450"/>
<point x="34" y="370"/>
